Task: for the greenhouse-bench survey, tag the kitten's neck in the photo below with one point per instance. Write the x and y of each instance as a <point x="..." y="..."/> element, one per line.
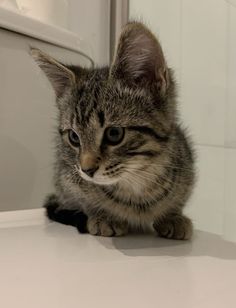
<point x="139" y="190"/>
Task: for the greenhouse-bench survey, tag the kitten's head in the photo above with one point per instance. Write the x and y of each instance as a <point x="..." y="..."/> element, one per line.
<point x="114" y="121"/>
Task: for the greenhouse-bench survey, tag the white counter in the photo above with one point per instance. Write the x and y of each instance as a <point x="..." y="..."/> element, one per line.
<point x="45" y="264"/>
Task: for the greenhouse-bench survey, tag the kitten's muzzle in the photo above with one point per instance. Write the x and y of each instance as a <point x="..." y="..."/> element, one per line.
<point x="89" y="164"/>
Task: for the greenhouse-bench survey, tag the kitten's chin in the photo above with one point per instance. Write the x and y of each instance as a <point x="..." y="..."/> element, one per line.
<point x="105" y="182"/>
<point x="99" y="181"/>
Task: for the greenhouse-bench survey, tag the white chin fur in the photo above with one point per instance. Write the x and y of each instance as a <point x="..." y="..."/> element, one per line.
<point x="98" y="180"/>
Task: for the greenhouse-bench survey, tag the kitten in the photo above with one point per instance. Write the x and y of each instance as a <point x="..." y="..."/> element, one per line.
<point x="122" y="162"/>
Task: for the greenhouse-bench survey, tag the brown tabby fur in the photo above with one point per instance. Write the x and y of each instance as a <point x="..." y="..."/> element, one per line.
<point x="144" y="181"/>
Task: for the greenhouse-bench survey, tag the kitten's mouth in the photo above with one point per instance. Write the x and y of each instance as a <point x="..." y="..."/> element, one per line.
<point x="105" y="182"/>
<point x="97" y="179"/>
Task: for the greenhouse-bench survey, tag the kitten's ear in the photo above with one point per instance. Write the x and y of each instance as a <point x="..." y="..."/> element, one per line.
<point x="59" y="75"/>
<point x="139" y="57"/>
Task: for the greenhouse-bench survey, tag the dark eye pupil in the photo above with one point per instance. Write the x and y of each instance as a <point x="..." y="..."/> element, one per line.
<point x="114" y="135"/>
<point x="74" y="138"/>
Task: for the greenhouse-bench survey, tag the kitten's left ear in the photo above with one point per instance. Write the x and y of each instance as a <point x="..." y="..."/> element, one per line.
<point x="139" y="58"/>
<point x="59" y="75"/>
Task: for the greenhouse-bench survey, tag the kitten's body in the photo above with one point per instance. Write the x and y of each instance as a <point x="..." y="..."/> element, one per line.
<point x="143" y="181"/>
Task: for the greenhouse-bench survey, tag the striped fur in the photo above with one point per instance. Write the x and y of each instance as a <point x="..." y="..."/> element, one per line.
<point x="144" y="181"/>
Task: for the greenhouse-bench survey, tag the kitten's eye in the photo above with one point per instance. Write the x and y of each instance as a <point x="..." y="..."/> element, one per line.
<point x="73" y="138"/>
<point x="114" y="135"/>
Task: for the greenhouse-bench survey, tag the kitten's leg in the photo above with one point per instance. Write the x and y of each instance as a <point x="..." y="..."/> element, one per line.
<point x="100" y="225"/>
<point x="174" y="226"/>
<point x="68" y="217"/>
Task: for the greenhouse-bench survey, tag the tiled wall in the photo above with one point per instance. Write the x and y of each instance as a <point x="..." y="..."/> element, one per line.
<point x="199" y="40"/>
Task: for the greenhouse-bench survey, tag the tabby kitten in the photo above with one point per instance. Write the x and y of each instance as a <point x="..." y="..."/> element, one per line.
<point x="122" y="162"/>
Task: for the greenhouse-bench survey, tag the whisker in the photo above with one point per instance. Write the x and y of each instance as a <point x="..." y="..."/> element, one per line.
<point x="169" y="166"/>
<point x="167" y="180"/>
<point x="145" y="179"/>
<point x="149" y="196"/>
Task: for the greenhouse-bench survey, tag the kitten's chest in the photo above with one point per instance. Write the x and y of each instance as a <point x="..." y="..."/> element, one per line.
<point x="135" y="204"/>
<point x="136" y="207"/>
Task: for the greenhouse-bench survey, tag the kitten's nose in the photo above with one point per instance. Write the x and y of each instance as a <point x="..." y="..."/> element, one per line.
<point x="90" y="172"/>
<point x="88" y="163"/>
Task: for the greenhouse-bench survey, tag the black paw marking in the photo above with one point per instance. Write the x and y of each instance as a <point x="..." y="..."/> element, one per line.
<point x="67" y="217"/>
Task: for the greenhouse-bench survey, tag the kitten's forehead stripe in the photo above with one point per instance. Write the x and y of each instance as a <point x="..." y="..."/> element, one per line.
<point x="89" y="97"/>
<point x="101" y="118"/>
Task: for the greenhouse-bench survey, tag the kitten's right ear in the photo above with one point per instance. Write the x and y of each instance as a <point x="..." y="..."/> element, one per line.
<point x="139" y="58"/>
<point x="59" y="75"/>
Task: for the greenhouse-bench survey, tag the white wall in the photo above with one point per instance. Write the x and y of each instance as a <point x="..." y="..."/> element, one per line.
<point x="199" y="40"/>
<point x="90" y="19"/>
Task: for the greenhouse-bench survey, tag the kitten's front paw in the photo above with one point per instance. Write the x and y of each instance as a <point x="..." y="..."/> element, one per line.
<point x="100" y="226"/>
<point x="174" y="226"/>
